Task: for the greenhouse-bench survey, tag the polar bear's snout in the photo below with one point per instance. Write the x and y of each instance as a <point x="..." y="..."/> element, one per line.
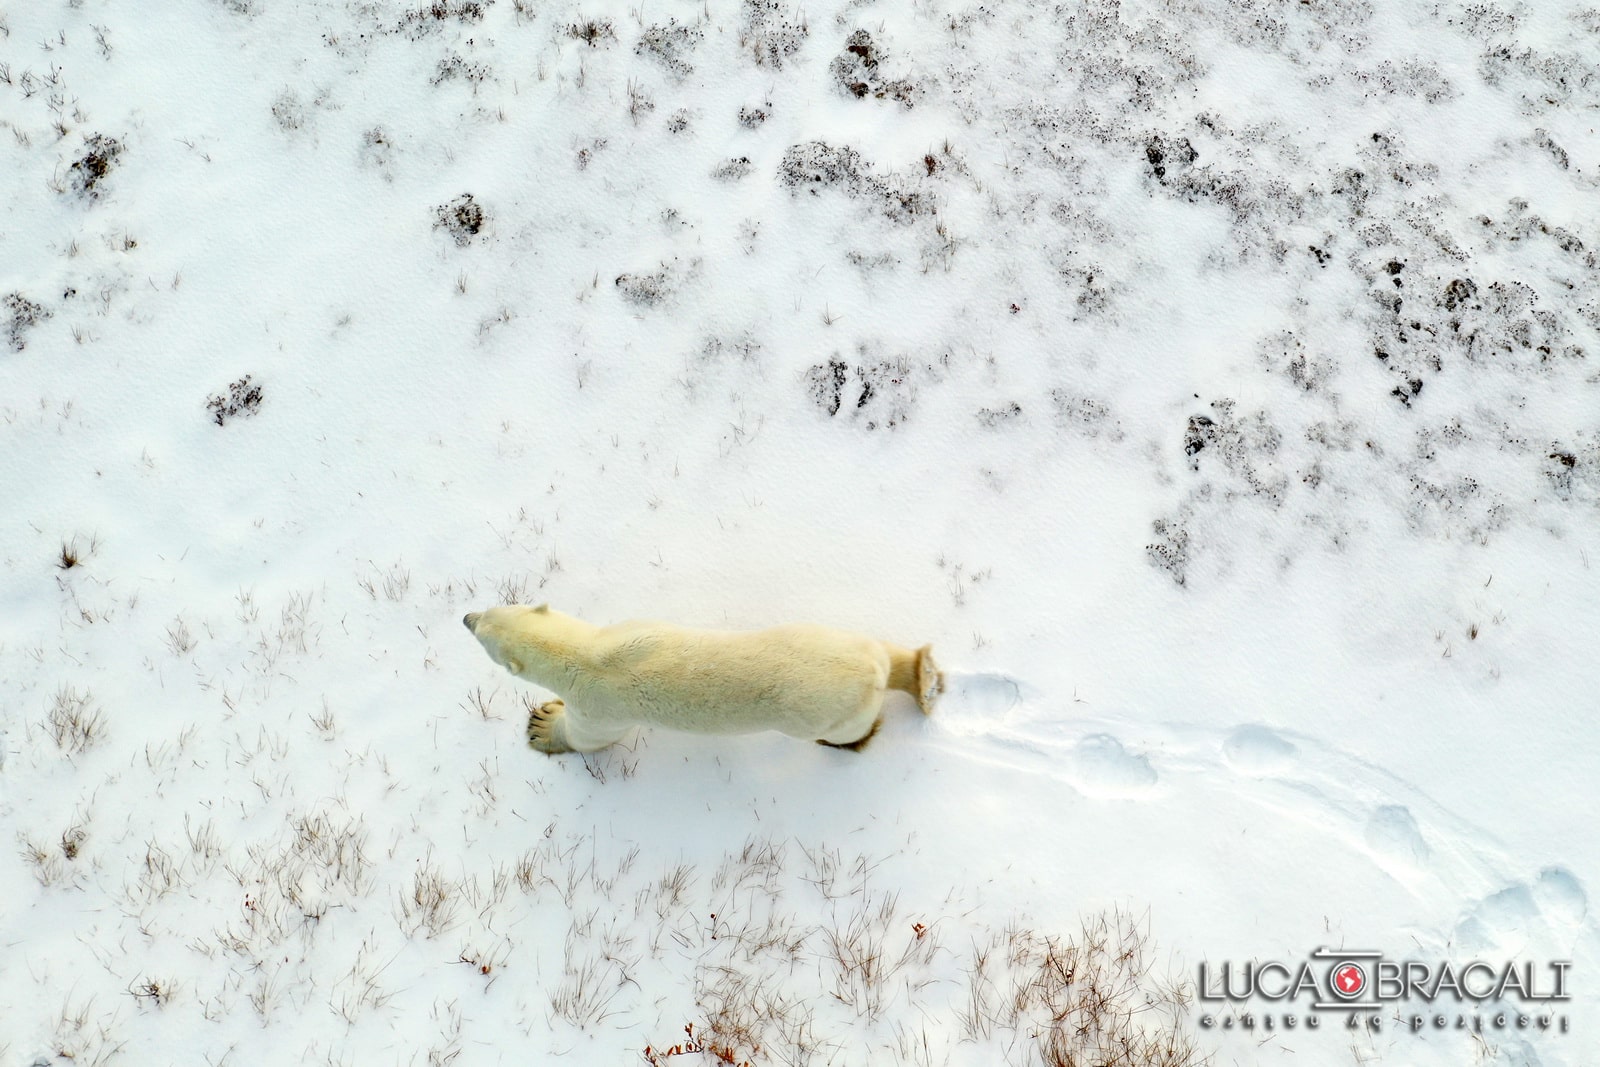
<point x="470" y="620"/>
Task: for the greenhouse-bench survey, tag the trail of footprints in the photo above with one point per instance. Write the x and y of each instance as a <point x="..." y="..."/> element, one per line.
<point x="995" y="718"/>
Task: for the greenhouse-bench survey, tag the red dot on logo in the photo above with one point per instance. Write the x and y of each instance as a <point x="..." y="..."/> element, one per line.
<point x="1349" y="980"/>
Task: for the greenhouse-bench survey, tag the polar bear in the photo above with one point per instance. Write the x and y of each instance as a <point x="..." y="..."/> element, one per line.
<point x="806" y="681"/>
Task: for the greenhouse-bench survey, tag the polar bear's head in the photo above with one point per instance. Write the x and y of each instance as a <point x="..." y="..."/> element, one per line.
<point x="501" y="631"/>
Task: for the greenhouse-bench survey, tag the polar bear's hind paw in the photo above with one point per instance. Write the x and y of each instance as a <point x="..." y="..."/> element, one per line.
<point x="543" y="722"/>
<point x="930" y="680"/>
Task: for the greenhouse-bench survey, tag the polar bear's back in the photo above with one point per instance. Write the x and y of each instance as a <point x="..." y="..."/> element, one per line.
<point x="798" y="679"/>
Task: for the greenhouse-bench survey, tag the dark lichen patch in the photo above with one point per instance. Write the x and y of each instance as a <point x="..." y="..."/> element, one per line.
<point x="378" y="151"/>
<point x="289" y="111"/>
<point x="1517" y="224"/>
<point x="996" y="417"/>
<point x="1452" y="504"/>
<point x="1462" y="332"/>
<point x="1572" y="469"/>
<point x="825" y="382"/>
<point x="1460" y="294"/>
<point x="1240" y="169"/>
<point x="1163" y="153"/>
<point x="1353" y="186"/>
<point x="1542" y="139"/>
<point x="1545" y="80"/>
<point x="1507" y="323"/>
<point x="770" y="34"/>
<point x="1408" y="77"/>
<point x="462" y="218"/>
<point x="648" y="288"/>
<point x="1085" y="415"/>
<point x="1172" y="161"/>
<point x="858" y="72"/>
<point x="816" y="165"/>
<point x="422" y="21"/>
<point x="1430" y="318"/>
<point x="732" y="170"/>
<point x="1123" y="69"/>
<point x="876" y="392"/>
<point x="1170" y="551"/>
<point x="671" y="44"/>
<point x="586" y="153"/>
<point x="21" y="315"/>
<point x="1089" y="286"/>
<point x="242" y="400"/>
<point x="1246" y="446"/>
<point x="1407" y="391"/>
<point x="454" y="67"/>
<point x="742" y="348"/>
<point x="1285" y="354"/>
<point x="90" y="170"/>
<point x="868" y="262"/>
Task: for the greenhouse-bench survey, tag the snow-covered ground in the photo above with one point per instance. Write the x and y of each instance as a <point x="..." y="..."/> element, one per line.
<point x="1214" y="384"/>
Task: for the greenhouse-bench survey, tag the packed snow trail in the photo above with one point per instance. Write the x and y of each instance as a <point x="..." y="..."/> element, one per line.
<point x="1480" y="896"/>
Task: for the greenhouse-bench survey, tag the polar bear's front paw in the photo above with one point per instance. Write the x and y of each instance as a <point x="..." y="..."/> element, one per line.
<point x="544" y="723"/>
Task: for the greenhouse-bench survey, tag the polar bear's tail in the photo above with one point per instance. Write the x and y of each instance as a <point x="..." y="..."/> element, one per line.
<point x="917" y="674"/>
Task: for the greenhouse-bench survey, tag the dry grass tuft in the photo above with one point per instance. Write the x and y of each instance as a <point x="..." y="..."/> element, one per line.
<point x="75" y="724"/>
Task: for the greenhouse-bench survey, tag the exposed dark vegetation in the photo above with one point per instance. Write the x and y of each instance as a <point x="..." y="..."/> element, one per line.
<point x="857" y="71"/>
<point x="995" y="417"/>
<point x="70" y="556"/>
<point x="875" y="391"/>
<point x="90" y="170"/>
<point x="646" y="289"/>
<point x="592" y="32"/>
<point x="770" y="33"/>
<point x="377" y="151"/>
<point x="671" y="44"/>
<point x="766" y="972"/>
<point x="1447" y="294"/>
<point x="288" y="111"/>
<point x="421" y="21"/>
<point x="242" y="400"/>
<point x="21" y="315"/>
<point x="731" y="170"/>
<point x="816" y="165"/>
<point x="1245" y="445"/>
<point x="458" y="68"/>
<point x="462" y="218"/>
<point x="1170" y="550"/>
<point x="1086" y="415"/>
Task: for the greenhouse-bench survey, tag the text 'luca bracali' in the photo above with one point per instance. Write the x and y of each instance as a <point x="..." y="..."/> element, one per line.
<point x="1356" y="990"/>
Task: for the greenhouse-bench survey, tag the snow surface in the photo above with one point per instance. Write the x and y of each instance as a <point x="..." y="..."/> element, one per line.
<point x="1214" y="384"/>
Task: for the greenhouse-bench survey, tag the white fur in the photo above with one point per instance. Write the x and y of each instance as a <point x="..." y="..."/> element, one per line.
<point x="806" y="681"/>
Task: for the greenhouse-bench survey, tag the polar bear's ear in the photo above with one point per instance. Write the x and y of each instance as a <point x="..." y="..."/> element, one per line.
<point x="542" y="609"/>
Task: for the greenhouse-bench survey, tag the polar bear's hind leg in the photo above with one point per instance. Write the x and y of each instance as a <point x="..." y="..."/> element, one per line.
<point x="859" y="743"/>
<point x="917" y="674"/>
<point x="856" y="728"/>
